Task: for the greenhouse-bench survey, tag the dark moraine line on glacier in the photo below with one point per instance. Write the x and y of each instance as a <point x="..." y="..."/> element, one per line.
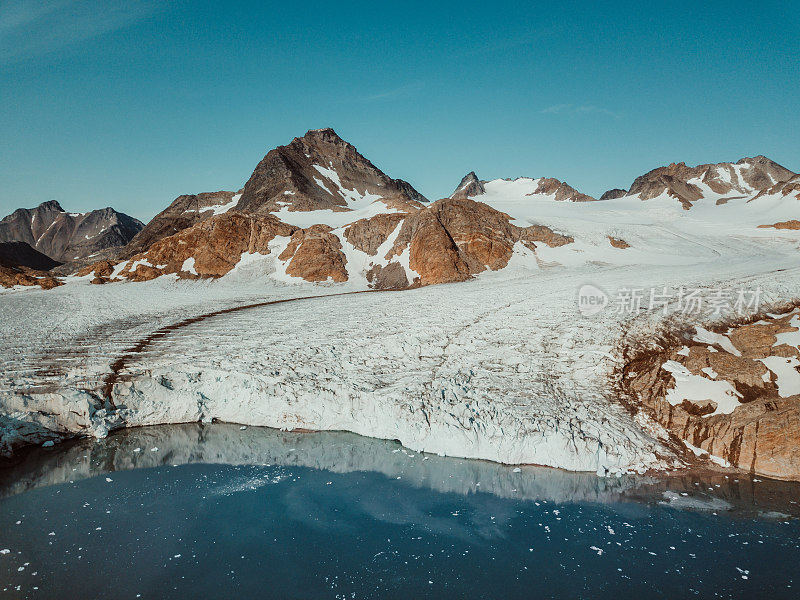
<point x="120" y="363"/>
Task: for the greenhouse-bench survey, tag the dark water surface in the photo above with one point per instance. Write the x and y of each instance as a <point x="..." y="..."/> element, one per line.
<point x="218" y="512"/>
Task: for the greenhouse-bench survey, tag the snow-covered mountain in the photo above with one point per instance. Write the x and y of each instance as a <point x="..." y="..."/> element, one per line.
<point x="317" y="210"/>
<point x="316" y="179"/>
<point x="721" y="182"/>
<point x="542" y="187"/>
<point x="68" y="237"/>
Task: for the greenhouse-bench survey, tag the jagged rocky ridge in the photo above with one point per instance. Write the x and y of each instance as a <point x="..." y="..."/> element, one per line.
<point x="744" y="178"/>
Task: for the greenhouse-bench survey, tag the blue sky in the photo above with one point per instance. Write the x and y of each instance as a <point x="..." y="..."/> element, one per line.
<point x="130" y="104"/>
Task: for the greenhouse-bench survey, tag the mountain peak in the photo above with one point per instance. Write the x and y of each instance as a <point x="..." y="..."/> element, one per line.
<point x="325" y="135"/>
<point x="470" y="186"/>
<point x="320" y="171"/>
<point x="323" y="131"/>
<point x="50" y="205"/>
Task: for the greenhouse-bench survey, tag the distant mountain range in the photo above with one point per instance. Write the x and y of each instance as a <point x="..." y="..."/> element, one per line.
<point x="323" y="212"/>
<point x="68" y="237"/>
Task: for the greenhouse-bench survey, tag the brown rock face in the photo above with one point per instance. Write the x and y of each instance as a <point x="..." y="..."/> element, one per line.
<point x="216" y="245"/>
<point x="790" y="189"/>
<point x="791" y="224"/>
<point x="295" y="176"/>
<point x="455" y="238"/>
<point x="562" y="190"/>
<point x="103" y="268"/>
<point x="184" y="212"/>
<point x="672" y="180"/>
<point x="613" y="194"/>
<point x="762" y="434"/>
<point x="11" y="276"/>
<point x="389" y="277"/>
<point x="618" y="243"/>
<point x="315" y="254"/>
<point x="368" y="234"/>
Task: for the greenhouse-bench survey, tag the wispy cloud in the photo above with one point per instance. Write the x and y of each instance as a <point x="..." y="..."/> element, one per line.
<point x="398" y="92"/>
<point x="578" y="109"/>
<point x="29" y="29"/>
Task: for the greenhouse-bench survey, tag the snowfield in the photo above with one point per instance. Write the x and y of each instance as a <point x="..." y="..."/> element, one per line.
<point x="502" y="367"/>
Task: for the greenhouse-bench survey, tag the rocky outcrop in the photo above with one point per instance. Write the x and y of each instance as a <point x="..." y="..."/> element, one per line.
<point x="184" y="212"/>
<point x="561" y="191"/>
<point x="790" y="224"/>
<point x="789" y="189"/>
<point x="14" y="276"/>
<point x="68" y="237"/>
<point x="613" y="194"/>
<point x="368" y="235"/>
<point x="472" y="187"/>
<point x="315" y="254"/>
<point x="450" y="240"/>
<point x="320" y="171"/>
<point x="209" y="249"/>
<point x="733" y="395"/>
<point x="618" y="243"/>
<point x="389" y="277"/>
<point x="453" y="239"/>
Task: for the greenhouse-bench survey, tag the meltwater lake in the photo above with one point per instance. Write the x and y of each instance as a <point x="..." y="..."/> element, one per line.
<point x="218" y="511"/>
